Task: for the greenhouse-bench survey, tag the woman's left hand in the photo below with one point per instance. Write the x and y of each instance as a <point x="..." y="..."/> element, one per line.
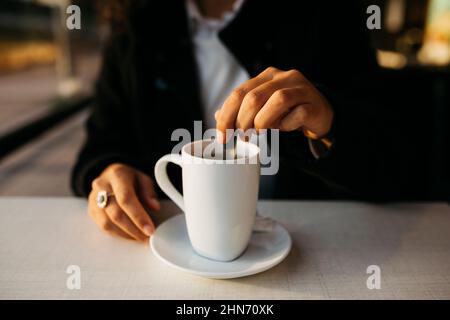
<point x="276" y="99"/>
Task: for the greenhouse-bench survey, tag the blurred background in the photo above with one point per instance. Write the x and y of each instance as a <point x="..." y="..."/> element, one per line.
<point x="47" y="74"/>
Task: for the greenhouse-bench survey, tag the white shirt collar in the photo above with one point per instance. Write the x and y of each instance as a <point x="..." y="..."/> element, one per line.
<point x="207" y="26"/>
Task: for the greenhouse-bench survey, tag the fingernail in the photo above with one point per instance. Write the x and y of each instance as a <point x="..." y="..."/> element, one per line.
<point x="148" y="230"/>
<point x="155" y="203"/>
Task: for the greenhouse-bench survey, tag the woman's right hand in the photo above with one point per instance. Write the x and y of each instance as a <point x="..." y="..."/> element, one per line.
<point x="124" y="214"/>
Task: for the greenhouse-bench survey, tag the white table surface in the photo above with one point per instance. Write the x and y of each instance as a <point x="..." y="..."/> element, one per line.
<point x="333" y="244"/>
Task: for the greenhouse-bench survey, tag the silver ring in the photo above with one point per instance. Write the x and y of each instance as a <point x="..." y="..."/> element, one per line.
<point x="102" y="198"/>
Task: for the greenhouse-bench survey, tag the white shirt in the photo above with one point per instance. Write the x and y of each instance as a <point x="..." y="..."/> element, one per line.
<point x="219" y="71"/>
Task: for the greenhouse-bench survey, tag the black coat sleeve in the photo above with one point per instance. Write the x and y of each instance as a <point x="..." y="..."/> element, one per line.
<point x="110" y="136"/>
<point x="346" y="67"/>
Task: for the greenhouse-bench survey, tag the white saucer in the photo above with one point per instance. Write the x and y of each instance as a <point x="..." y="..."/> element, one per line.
<point x="171" y="244"/>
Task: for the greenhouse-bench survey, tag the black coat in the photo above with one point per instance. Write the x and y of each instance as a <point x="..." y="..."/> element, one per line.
<point x="148" y="87"/>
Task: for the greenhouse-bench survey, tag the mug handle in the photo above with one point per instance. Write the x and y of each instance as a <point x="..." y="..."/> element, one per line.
<point x="163" y="179"/>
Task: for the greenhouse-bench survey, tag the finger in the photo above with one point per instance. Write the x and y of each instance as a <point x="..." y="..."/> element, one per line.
<point x="230" y="108"/>
<point x="97" y="214"/>
<point x="124" y="190"/>
<point x="99" y="184"/>
<point x="296" y="118"/>
<point x="256" y="98"/>
<point x="119" y="218"/>
<point x="278" y="106"/>
<point x="102" y="221"/>
<point x="217" y="115"/>
<point x="110" y="228"/>
<point x="147" y="193"/>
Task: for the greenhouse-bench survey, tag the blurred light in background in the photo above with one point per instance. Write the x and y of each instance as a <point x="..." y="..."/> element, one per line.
<point x="415" y="33"/>
<point x="395" y="15"/>
<point x="43" y="68"/>
<point x="436" y="47"/>
<point x="391" y="59"/>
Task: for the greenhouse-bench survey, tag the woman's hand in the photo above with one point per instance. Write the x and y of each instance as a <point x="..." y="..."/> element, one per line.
<point x="124" y="214"/>
<point x="276" y="99"/>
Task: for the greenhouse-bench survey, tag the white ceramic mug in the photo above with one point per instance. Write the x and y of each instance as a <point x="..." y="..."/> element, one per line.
<point x="219" y="197"/>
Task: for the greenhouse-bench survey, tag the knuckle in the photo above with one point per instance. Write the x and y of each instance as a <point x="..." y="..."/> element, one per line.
<point x="116" y="215"/>
<point x="271" y="70"/>
<point x="282" y="96"/>
<point x="238" y="93"/>
<point x="96" y="184"/>
<point x="217" y="115"/>
<point x="294" y="74"/>
<point x="125" y="197"/>
<point x="117" y="169"/>
<point x="253" y="99"/>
